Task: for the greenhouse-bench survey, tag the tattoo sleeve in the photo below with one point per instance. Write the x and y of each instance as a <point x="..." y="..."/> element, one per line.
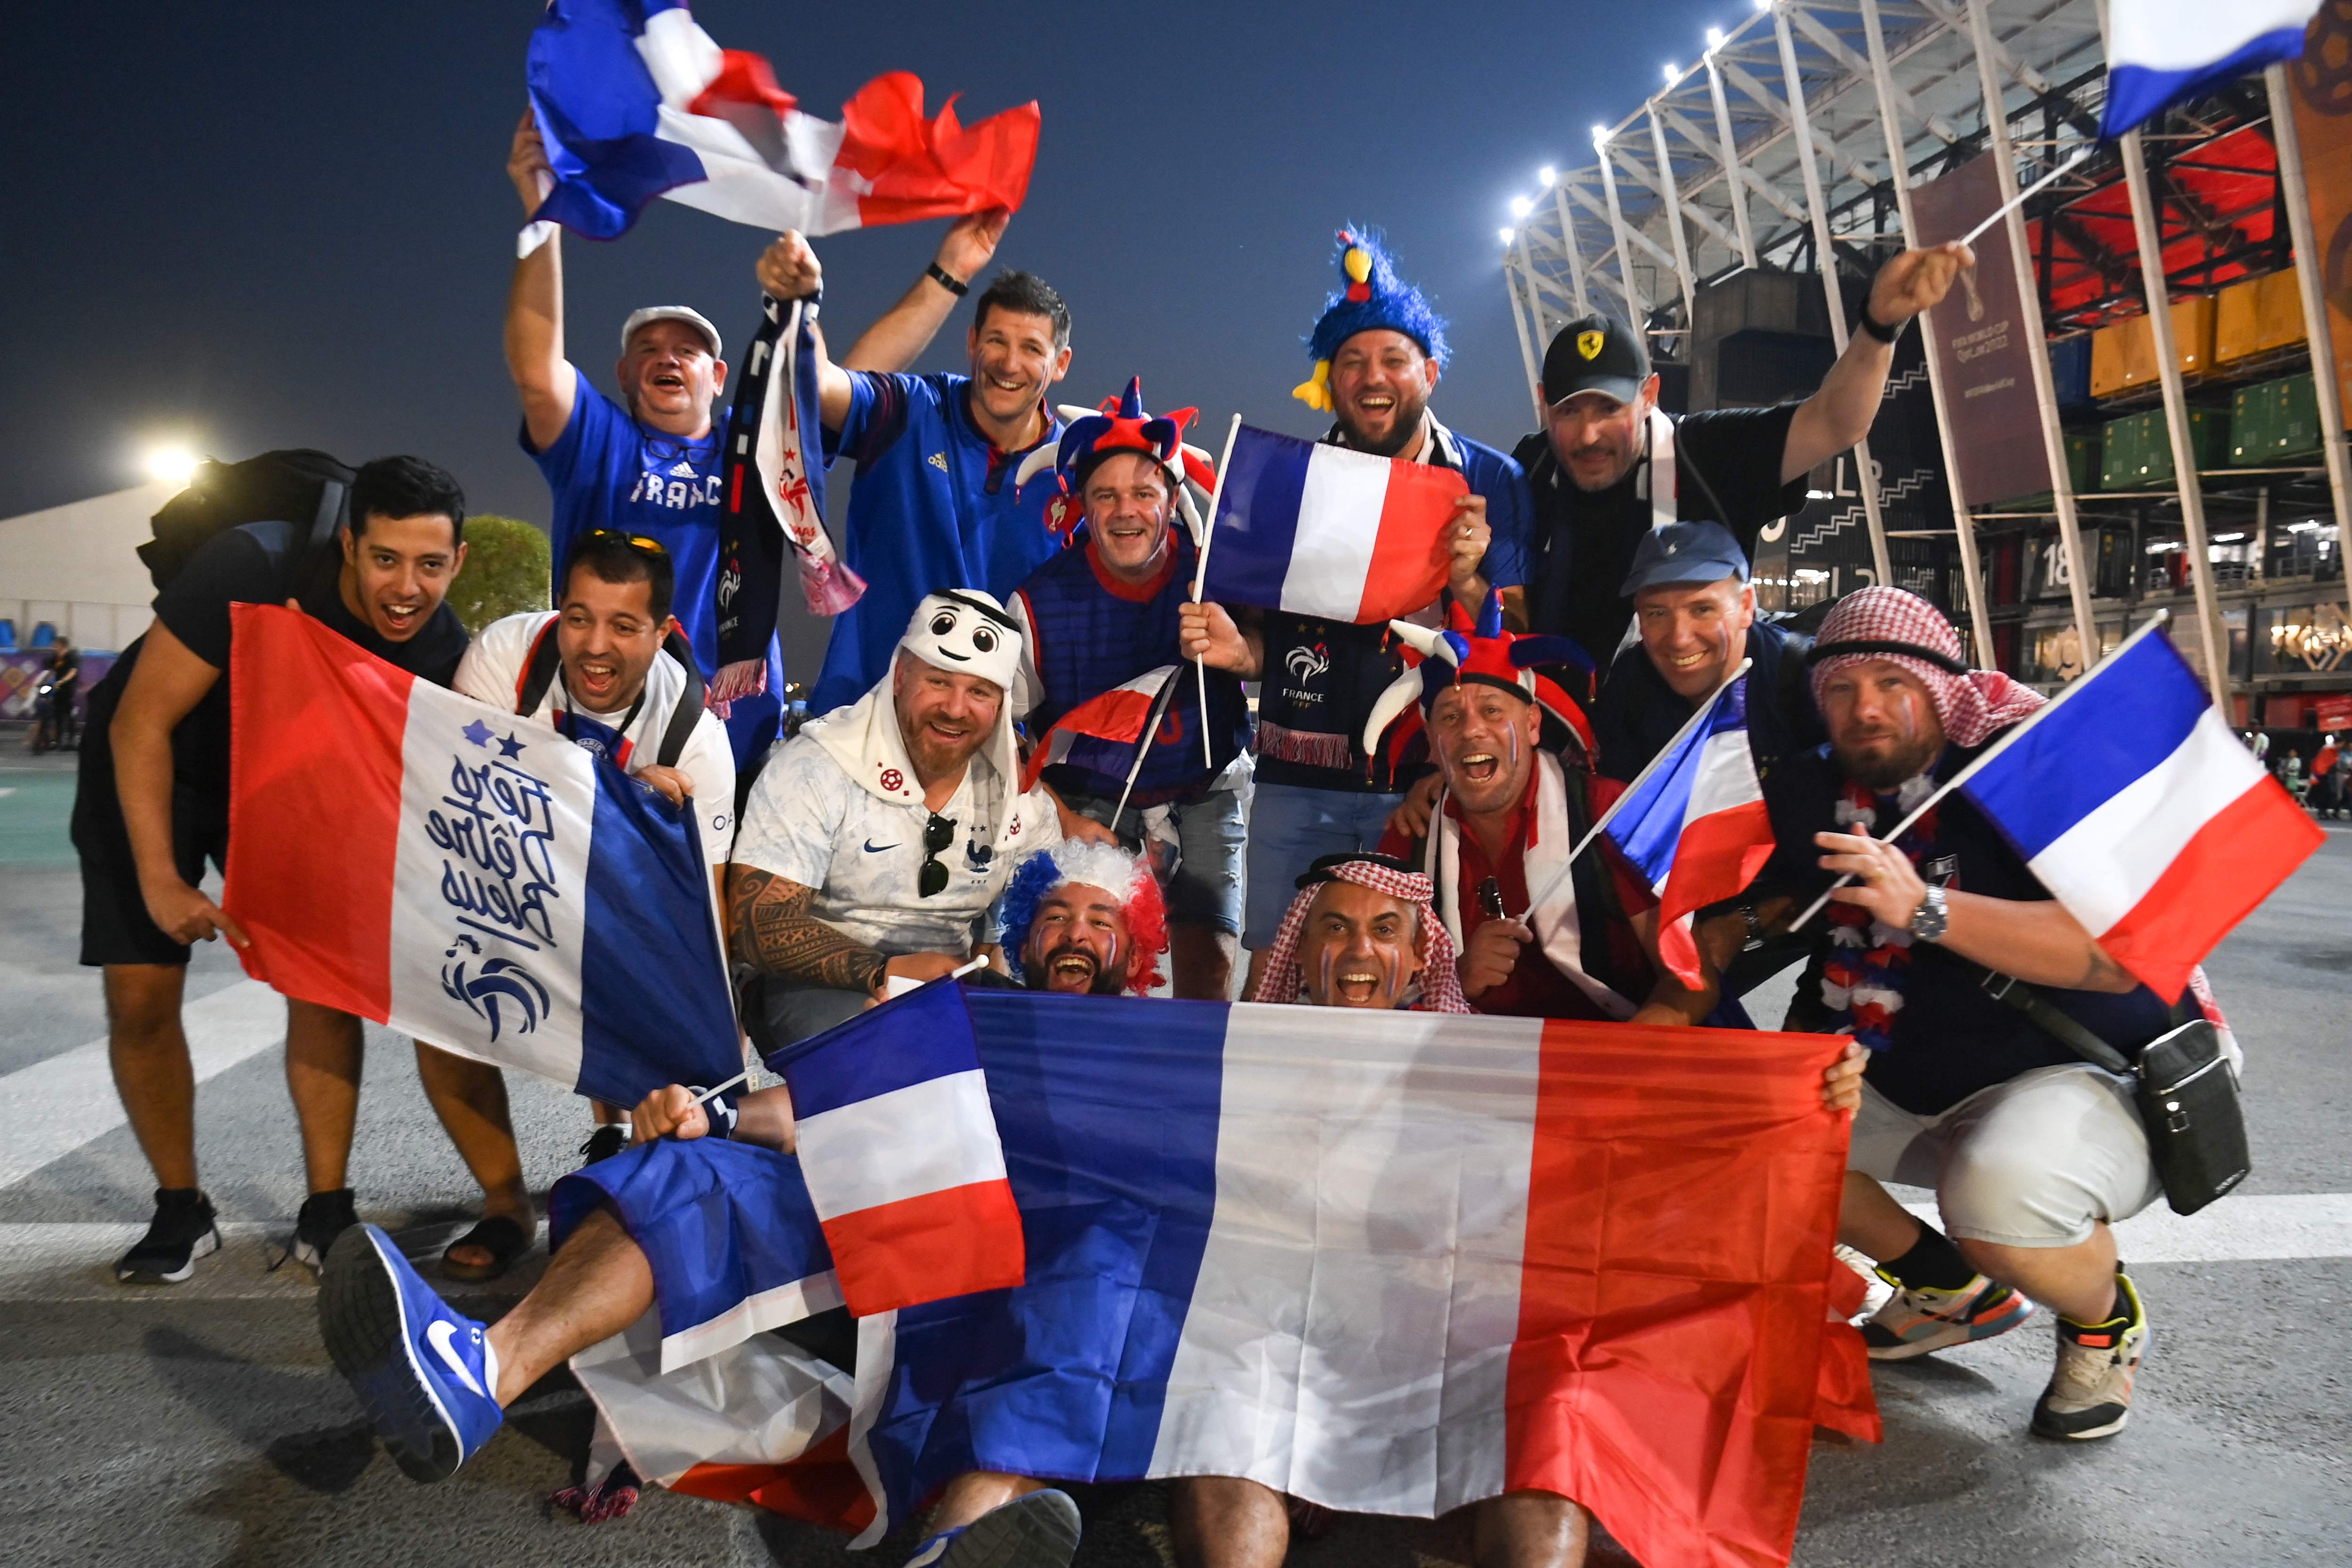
<point x="775" y="933"/>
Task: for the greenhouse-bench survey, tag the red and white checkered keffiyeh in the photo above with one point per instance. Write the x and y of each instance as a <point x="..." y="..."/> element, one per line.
<point x="1440" y="987"/>
<point x="1879" y="622"/>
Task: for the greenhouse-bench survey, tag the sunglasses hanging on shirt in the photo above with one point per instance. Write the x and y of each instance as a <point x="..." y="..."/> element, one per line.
<point x="937" y="835"/>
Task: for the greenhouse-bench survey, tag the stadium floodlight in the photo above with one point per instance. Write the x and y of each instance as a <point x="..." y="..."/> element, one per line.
<point x="1509" y="235"/>
<point x="171" y="465"/>
<point x="1763" y="4"/>
<point x="1715" y="38"/>
<point x="1521" y="206"/>
<point x="1673" y="72"/>
<point x="1600" y="136"/>
<point x="1549" y="175"/>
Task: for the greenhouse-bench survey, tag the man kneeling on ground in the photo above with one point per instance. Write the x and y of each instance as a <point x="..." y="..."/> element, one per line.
<point x="436" y="1383"/>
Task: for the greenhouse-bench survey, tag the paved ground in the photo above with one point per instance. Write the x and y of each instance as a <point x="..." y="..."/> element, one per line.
<point x="202" y="1425"/>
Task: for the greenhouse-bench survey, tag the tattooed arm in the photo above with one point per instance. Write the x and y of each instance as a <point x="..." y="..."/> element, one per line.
<point x="775" y="933"/>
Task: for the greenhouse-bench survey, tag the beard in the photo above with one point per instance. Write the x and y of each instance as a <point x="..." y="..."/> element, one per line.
<point x="1100" y="982"/>
<point x="1400" y="434"/>
<point x="1883" y="770"/>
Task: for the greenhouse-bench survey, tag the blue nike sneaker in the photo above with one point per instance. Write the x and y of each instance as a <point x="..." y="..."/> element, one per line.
<point x="425" y="1373"/>
<point x="1039" y="1530"/>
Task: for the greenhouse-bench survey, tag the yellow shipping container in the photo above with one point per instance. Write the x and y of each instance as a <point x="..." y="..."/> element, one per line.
<point x="2192" y="333"/>
<point x="2122" y="356"/>
<point x="2257" y="316"/>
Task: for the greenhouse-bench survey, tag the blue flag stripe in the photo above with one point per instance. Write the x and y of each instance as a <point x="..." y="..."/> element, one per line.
<point x="910" y="1039"/>
<point x="1649" y="826"/>
<point x="2136" y="92"/>
<point x="2143" y="707"/>
<point x="1257" y="517"/>
<point x="1123" y="1238"/>
<point x="654" y="1005"/>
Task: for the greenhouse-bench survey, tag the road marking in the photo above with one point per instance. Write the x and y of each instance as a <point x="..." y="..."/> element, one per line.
<point x="2239" y="1229"/>
<point x="57" y="1105"/>
<point x="7" y="790"/>
<point x="74" y="1261"/>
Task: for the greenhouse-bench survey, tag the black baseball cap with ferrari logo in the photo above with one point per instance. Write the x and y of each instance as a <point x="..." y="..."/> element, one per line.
<point x="1595" y="353"/>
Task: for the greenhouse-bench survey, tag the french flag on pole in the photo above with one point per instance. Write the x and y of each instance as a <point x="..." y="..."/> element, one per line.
<point x="2133" y="802"/>
<point x="1101" y="732"/>
<point x="635" y="100"/>
<point x="899" y="1149"/>
<point x="1694" y="825"/>
<point x="480" y="882"/>
<point x="2163" y="52"/>
<point x="1317" y="530"/>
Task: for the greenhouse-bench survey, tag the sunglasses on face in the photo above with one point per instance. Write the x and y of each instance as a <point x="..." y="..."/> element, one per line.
<point x="939" y="834"/>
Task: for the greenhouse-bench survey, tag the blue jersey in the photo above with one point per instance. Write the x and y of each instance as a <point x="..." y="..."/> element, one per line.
<point x="606" y="470"/>
<point x="934" y="507"/>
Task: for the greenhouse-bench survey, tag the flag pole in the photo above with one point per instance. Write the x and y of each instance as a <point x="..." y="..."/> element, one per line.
<point x="977" y="961"/>
<point x="1161" y="702"/>
<point x="1706" y="709"/>
<point x="1201" y="576"/>
<point x="2002" y="211"/>
<point x="1990" y="752"/>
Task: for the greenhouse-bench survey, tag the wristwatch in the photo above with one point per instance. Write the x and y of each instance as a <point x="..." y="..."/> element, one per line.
<point x="1878" y="328"/>
<point x="959" y="287"/>
<point x="1929" y="920"/>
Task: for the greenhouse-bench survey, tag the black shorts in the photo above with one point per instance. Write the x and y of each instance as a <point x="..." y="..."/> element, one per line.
<point x="115" y="928"/>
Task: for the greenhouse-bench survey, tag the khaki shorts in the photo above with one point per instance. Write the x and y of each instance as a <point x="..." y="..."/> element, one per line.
<point x="2034" y="1161"/>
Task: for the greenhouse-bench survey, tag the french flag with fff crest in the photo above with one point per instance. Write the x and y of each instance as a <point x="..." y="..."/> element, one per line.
<point x="469" y="877"/>
<point x="635" y="100"/>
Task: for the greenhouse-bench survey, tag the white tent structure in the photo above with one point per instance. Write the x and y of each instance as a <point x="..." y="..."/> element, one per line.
<point x="77" y="567"/>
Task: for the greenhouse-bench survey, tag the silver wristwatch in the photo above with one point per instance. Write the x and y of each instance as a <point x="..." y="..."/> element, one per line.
<point x="1928" y="920"/>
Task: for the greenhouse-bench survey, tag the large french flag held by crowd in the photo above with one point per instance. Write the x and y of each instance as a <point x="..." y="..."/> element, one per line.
<point x="2137" y="807"/>
<point x="635" y="100"/>
<point x="1387" y="1262"/>
<point x="1322" y="531"/>
<point x="1693" y="824"/>
<point x="2163" y="52"/>
<point x="417" y="857"/>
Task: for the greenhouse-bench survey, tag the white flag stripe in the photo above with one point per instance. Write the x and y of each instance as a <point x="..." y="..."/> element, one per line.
<point x="957" y="1145"/>
<point x="1338" y="523"/>
<point x="2102" y="867"/>
<point x="771" y="1308"/>
<point x="1316" y="1353"/>
<point x="2178" y="35"/>
<point x="761" y="1402"/>
<point x="1726" y="777"/>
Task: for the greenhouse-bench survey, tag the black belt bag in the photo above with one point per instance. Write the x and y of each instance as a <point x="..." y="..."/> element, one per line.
<point x="2184" y="1086"/>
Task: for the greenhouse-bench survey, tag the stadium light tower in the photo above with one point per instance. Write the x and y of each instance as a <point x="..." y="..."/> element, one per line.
<point x="1521" y="206"/>
<point x="1549" y="175"/>
<point x="1509" y="235"/>
<point x="1715" y="38"/>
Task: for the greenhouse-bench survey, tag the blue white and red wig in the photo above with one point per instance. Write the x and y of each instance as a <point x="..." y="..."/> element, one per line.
<point x="1126" y="877"/>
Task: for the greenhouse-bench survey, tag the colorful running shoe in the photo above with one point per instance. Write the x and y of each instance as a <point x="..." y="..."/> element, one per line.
<point x="1915" y="1320"/>
<point x="425" y="1373"/>
<point x="2091" y="1388"/>
<point x="1036" y="1531"/>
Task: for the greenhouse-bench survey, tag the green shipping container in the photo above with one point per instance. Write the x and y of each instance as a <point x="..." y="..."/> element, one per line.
<point x="2081" y="471"/>
<point x="2209" y="445"/>
<point x="2120" y="444"/>
<point x="2275" y="422"/>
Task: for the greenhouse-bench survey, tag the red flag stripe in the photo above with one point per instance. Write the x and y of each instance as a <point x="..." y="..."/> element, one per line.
<point x="920" y="1249"/>
<point x="2228" y="867"/>
<point x="1410" y="562"/>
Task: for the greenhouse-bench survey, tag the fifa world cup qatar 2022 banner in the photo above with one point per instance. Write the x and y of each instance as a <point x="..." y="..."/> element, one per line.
<point x="478" y="881"/>
<point x="1982" y="341"/>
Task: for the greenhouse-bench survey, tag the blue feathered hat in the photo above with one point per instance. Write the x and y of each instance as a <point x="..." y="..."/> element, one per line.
<point x="1370" y="296"/>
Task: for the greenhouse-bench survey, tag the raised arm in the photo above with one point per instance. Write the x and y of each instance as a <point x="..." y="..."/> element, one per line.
<point x="788" y="269"/>
<point x="166" y="685"/>
<point x="535" y="359"/>
<point x="906" y="328"/>
<point x="1839" y="415"/>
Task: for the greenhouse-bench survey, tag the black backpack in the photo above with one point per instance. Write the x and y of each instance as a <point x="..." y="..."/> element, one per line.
<point x="539" y="673"/>
<point x="302" y="487"/>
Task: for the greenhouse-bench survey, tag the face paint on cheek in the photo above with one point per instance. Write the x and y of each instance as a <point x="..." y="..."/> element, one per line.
<point x="1396" y="974"/>
<point x="1330" y="959"/>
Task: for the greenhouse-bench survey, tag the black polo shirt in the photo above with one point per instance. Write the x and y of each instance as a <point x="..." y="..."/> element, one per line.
<point x="1950" y="1038"/>
<point x="1727" y="465"/>
<point x="1638" y="712"/>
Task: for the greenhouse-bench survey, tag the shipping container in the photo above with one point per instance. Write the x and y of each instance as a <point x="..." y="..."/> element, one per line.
<point x="2258" y="316"/>
<point x="2069" y="370"/>
<point x="2138" y="448"/>
<point x="2122" y="357"/>
<point x="2192" y="333"/>
<point x="2121" y="445"/>
<point x="2275" y="422"/>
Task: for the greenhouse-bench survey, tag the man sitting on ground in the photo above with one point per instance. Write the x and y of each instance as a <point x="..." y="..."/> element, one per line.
<point x="878" y="836"/>
<point x="595" y="669"/>
<point x="438" y="1384"/>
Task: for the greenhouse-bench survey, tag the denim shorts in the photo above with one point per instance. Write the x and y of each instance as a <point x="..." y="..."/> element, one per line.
<point x="1292" y="826"/>
<point x="1209" y="831"/>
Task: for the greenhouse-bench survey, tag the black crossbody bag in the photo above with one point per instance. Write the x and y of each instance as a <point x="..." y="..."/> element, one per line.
<point x="2184" y="1086"/>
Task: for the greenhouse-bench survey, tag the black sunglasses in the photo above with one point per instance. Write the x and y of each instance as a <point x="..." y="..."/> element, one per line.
<point x="937" y="835"/>
<point x="636" y="542"/>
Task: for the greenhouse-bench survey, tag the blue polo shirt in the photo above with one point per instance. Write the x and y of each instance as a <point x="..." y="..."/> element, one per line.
<point x="934" y="507"/>
<point x="606" y="470"/>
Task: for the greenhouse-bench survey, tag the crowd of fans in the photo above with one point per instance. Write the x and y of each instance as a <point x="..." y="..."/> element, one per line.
<point x="1380" y="832"/>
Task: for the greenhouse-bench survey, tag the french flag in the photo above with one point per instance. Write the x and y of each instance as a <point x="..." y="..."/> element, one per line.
<point x="479" y="882"/>
<point x="1318" y="530"/>
<point x="2133" y="802"/>
<point x="635" y="100"/>
<point x="1695" y="826"/>
<point x="900" y="1152"/>
<point x="2163" y="52"/>
<point x="1100" y="733"/>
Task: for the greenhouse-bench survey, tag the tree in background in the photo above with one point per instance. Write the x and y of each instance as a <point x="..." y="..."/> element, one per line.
<point x="507" y="566"/>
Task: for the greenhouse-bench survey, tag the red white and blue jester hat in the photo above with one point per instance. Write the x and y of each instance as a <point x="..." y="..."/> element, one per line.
<point x="1484" y="654"/>
<point x="1119" y="424"/>
<point x="1371" y="296"/>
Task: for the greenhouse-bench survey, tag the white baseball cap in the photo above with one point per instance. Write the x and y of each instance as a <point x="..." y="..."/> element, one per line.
<point x="687" y="313"/>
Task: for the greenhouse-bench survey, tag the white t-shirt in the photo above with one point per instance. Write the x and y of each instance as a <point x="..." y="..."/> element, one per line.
<point x="809" y="822"/>
<point x="492" y="672"/>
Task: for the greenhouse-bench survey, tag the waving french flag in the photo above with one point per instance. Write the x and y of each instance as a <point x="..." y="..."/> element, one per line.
<point x="635" y="100"/>
<point x="1101" y="732"/>
<point x="1694" y="825"/>
<point x="2133" y="802"/>
<point x="2163" y="52"/>
<point x="1318" y="530"/>
<point x="481" y="883"/>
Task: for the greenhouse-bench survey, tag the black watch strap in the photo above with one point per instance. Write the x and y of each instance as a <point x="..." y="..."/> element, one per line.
<point x="1878" y="328"/>
<point x="959" y="287"/>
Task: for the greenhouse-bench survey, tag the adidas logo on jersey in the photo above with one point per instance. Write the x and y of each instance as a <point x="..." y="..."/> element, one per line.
<point x="681" y="470"/>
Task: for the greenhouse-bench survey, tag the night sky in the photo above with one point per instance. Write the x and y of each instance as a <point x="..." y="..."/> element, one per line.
<point x="244" y="226"/>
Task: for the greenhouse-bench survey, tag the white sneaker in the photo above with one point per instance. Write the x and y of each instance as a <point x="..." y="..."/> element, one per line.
<point x="2091" y="1389"/>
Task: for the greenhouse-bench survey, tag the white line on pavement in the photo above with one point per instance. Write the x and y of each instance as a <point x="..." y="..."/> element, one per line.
<point x="59" y="1104"/>
<point x="74" y="1261"/>
<point x="2236" y="1229"/>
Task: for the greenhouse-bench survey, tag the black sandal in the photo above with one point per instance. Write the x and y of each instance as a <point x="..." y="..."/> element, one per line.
<point x="503" y="1238"/>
